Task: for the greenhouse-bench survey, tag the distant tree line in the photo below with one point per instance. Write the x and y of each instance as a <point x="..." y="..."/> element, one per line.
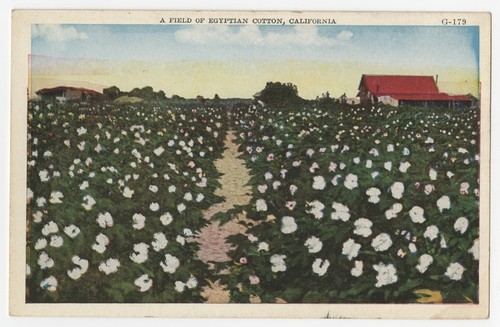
<point x="146" y="93"/>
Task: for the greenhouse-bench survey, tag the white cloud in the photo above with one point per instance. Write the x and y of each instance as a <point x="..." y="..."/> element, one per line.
<point x="58" y="33"/>
<point x="344" y="35"/>
<point x="304" y="35"/>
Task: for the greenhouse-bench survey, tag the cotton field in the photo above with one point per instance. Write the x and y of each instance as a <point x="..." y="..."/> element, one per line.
<point x="366" y="205"/>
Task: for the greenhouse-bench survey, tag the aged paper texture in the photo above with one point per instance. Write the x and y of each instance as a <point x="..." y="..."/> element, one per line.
<point x="250" y="164"/>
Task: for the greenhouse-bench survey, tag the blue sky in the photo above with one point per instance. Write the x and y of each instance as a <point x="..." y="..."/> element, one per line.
<point x="388" y="48"/>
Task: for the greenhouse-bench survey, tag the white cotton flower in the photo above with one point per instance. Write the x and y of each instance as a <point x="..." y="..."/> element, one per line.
<point x="263" y="246"/>
<point x="44" y="175"/>
<point x="180" y="239"/>
<point x="170" y="264"/>
<point x="77" y="272"/>
<point x="49" y="284"/>
<point x="127" y="192"/>
<point x="105" y="220"/>
<point x="262" y="188"/>
<point x="140" y="254"/>
<point x="390" y="147"/>
<point x="417" y="214"/>
<point x="158" y="151"/>
<point x="278" y="262"/>
<point x="55" y="197"/>
<point x="110" y="266"/>
<point x="412" y="247"/>
<point x="358" y="269"/>
<point x="179" y="286"/>
<point x="403" y="167"/>
<point x="474" y="250"/>
<point x="313" y="244"/>
<point x="40" y="244"/>
<point x="181" y="207"/>
<point x="406" y="151"/>
<point x="56" y="241"/>
<point x="443" y="203"/>
<point x="432" y="174"/>
<point x="318" y="183"/>
<point x="316" y="209"/>
<point x="154" y="206"/>
<point x="431" y="232"/>
<point x="288" y="225"/>
<point x="100" y="244"/>
<point x="153" y="188"/>
<point x="374" y="174"/>
<point x="455" y="271"/>
<point x="81" y="130"/>
<point x="144" y="283"/>
<point x="320" y="266"/>
<point x="199" y="197"/>
<point x="369" y="164"/>
<point x="172" y="189"/>
<point x="442" y="243"/>
<point x="388" y="165"/>
<point x="192" y="282"/>
<point x="160" y="241"/>
<point x="261" y="205"/>
<point x="424" y="261"/>
<point x="84" y="185"/>
<point x="44" y="261"/>
<point x="351" y="181"/>
<point x="188" y="196"/>
<point x="166" y="218"/>
<point x="340" y="212"/>
<point x="50" y="228"/>
<point x="293" y="189"/>
<point x="373" y="195"/>
<point x="37" y="217"/>
<point x="397" y="190"/>
<point x="138" y="221"/>
<point x="268" y="176"/>
<point x="381" y="242"/>
<point x="461" y="225"/>
<point x="29" y="194"/>
<point x="41" y="201"/>
<point x="88" y="202"/>
<point x="363" y="227"/>
<point x="393" y="211"/>
<point x="386" y="274"/>
<point x="350" y="249"/>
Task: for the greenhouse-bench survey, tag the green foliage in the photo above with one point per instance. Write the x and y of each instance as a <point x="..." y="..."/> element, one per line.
<point x="280" y="95"/>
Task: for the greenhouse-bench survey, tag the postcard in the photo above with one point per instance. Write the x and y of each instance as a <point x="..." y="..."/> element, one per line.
<point x="250" y="164"/>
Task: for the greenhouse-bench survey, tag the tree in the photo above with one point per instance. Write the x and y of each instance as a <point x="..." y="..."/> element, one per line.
<point x="280" y="94"/>
<point x="111" y="93"/>
<point x="325" y="101"/>
<point x="146" y="93"/>
<point x="161" y="96"/>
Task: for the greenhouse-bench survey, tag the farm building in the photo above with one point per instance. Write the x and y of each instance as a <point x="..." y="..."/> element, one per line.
<point x="401" y="90"/>
<point x="65" y="93"/>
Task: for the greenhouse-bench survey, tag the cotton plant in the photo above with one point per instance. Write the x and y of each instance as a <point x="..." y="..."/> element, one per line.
<point x="388" y="202"/>
<point x="116" y="155"/>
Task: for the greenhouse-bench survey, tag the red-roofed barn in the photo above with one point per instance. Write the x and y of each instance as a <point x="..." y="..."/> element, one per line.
<point x="64" y="93"/>
<point x="401" y="90"/>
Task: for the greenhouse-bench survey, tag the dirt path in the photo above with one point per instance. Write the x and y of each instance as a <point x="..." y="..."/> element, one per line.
<point x="212" y="239"/>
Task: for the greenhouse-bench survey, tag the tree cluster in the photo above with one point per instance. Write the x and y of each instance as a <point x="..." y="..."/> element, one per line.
<point x="146" y="93"/>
